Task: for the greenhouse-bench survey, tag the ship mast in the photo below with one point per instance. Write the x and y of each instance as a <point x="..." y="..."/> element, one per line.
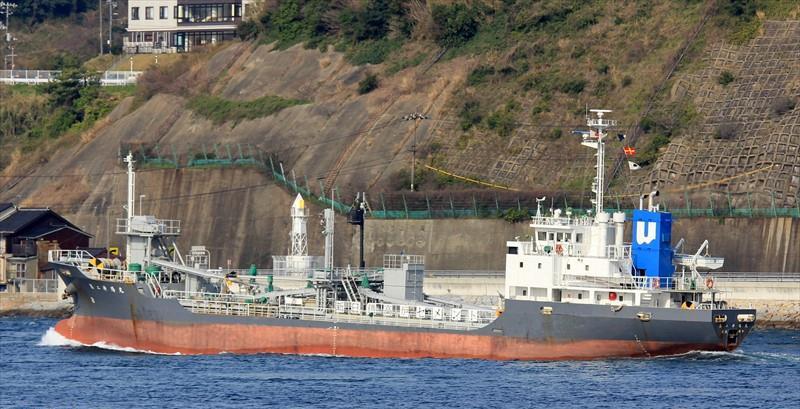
<point x="131" y="186"/>
<point x="598" y="126"/>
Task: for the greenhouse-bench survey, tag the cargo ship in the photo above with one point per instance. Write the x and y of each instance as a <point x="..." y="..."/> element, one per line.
<point x="574" y="289"/>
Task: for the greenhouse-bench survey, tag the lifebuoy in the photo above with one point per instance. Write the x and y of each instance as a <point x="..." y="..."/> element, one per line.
<point x="559" y="249"/>
<point x="710" y="283"/>
<point x="612" y="296"/>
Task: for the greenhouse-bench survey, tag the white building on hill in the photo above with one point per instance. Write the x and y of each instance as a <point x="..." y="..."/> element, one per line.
<point x="169" y="26"/>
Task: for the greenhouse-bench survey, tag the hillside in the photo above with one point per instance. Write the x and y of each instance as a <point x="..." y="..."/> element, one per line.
<point x="502" y="103"/>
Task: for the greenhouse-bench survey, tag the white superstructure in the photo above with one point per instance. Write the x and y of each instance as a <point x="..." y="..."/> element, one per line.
<point x="584" y="259"/>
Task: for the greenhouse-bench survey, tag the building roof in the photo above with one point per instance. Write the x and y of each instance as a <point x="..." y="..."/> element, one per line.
<point x="19" y="219"/>
<point x="27" y="219"/>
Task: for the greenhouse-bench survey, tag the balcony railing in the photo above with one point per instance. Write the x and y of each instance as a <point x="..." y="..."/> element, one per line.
<point x="24" y="249"/>
<point x="151" y="226"/>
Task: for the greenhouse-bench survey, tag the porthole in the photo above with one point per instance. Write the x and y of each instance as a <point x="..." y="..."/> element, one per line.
<point x="105" y="288"/>
<point x="121" y="291"/>
<point x="91" y="286"/>
<point x="91" y="299"/>
<point x="113" y="290"/>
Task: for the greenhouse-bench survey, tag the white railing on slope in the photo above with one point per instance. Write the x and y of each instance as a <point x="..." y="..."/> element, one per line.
<point x="32" y="77"/>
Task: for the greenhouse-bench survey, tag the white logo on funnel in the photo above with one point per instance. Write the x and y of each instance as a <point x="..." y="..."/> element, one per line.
<point x="645" y="234"/>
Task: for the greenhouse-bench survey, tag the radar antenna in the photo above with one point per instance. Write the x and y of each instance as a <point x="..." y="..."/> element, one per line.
<point x="594" y="139"/>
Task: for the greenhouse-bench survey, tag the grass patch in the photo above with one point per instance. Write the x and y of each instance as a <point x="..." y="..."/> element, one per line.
<point x="220" y="110"/>
<point x="368" y="84"/>
<point x="372" y="51"/>
<point x="404" y="63"/>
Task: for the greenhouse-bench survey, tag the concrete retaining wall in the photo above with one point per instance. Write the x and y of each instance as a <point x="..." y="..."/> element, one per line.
<point x="34" y="304"/>
<point x="769" y="245"/>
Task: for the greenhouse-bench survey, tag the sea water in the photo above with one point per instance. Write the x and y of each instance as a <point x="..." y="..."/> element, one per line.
<point x="39" y="368"/>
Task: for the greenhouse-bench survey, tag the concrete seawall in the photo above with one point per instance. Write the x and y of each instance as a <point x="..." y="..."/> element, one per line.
<point x="34" y="305"/>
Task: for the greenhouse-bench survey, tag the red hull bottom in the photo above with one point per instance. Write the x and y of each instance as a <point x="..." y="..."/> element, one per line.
<point x="194" y="339"/>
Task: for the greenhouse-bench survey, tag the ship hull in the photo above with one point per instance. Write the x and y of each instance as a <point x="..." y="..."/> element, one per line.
<point x="169" y="338"/>
<point x="122" y="315"/>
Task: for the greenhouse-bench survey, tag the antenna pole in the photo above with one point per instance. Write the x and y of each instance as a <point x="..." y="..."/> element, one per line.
<point x="600" y="124"/>
<point x="131" y="186"/>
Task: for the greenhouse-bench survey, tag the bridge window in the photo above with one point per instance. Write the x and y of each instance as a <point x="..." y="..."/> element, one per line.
<point x="148" y="13"/>
<point x="134" y="13"/>
<point x="512" y="250"/>
<point x="579" y="238"/>
<point x="541" y="236"/>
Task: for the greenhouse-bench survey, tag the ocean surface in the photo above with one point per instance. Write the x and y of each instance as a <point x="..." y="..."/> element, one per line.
<point x="39" y="369"/>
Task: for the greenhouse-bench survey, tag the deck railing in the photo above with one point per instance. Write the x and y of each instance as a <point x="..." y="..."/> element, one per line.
<point x="344" y="311"/>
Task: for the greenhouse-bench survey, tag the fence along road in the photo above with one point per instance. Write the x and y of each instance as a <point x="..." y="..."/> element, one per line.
<point x="33" y="77"/>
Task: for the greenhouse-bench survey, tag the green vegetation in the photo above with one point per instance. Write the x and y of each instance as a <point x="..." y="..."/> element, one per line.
<point x="725" y="78"/>
<point x="36" y="11"/>
<point x="368" y="84"/>
<point x="371" y="51"/>
<point x="470" y="114"/>
<point x="404" y="63"/>
<point x="455" y="24"/>
<point x="220" y="110"/>
<point x="516" y="215"/>
<point x="674" y="118"/>
<point x="32" y="115"/>
<point x="479" y="74"/>
<point x="502" y="120"/>
<point x="369" y="31"/>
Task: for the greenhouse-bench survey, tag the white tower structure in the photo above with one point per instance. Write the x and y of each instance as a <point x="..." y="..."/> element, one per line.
<point x="328" y="219"/>
<point x="299" y="233"/>
<point x="298" y="260"/>
<point x="146" y="235"/>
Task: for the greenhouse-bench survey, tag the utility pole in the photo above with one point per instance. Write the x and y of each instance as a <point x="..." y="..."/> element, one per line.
<point x="12" y="55"/>
<point x="100" y="17"/>
<point x="416" y="117"/>
<point x="111" y="5"/>
<point x="8" y="37"/>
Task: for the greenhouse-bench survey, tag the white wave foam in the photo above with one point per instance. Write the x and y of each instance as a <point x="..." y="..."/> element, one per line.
<point x="52" y="338"/>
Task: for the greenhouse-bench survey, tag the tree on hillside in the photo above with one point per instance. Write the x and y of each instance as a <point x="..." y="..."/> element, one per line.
<point x="36" y="11"/>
